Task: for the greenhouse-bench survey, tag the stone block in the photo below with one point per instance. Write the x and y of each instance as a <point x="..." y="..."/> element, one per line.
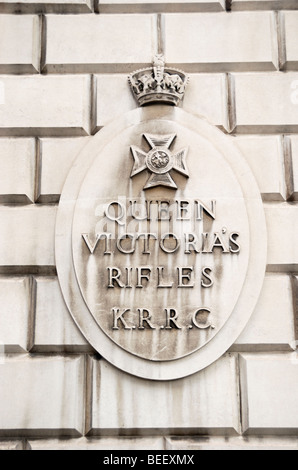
<point x="11" y="445"/>
<point x="110" y="105"/>
<point x="269" y="393"/>
<point x="294" y="153"/>
<point x="100" y="43"/>
<point x="20" y="44"/>
<point x="55" y="330"/>
<point x="18" y="169"/>
<point x="42" y="396"/>
<point x="27" y="239"/>
<point x="282" y="227"/>
<point x="221" y="42"/>
<point x="264" y="154"/>
<point x="264" y="5"/>
<point x="46" y="6"/>
<point x="16" y="313"/>
<point x="104" y="443"/>
<point x="232" y="443"/>
<point x="56" y="156"/>
<point x="148" y="407"/>
<point x="45" y="105"/>
<point x="158" y="6"/>
<point x="205" y="96"/>
<point x="290" y="22"/>
<point x="295" y="287"/>
<point x="271" y="326"/>
<point x="266" y="103"/>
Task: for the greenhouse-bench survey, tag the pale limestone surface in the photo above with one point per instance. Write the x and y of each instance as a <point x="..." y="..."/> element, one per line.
<point x="282" y="226"/>
<point x="18" y="164"/>
<point x="43" y="396"/>
<point x="264" y="155"/>
<point x="45" y="105"/>
<point x="56" y="158"/>
<point x="269" y="399"/>
<point x="213" y="394"/>
<point x="20" y="44"/>
<point x="73" y="43"/>
<point x="27" y="238"/>
<point x="206" y="96"/>
<point x="46" y="6"/>
<point x="54" y="329"/>
<point x="109" y="106"/>
<point x="271" y="326"/>
<point x="232" y="443"/>
<point x="264" y="5"/>
<point x="294" y="144"/>
<point x="106" y="443"/>
<point x="72" y="259"/>
<point x="148" y="6"/>
<point x="11" y="445"/>
<point x="274" y="106"/>
<point x="212" y="42"/>
<point x="290" y="20"/>
<point x="295" y="289"/>
<point x="16" y="313"/>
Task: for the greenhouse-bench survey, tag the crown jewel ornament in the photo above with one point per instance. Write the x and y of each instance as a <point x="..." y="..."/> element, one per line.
<point x="158" y="84"/>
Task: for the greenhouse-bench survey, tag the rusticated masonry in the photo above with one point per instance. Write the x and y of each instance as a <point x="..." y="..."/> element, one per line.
<point x="63" y="79"/>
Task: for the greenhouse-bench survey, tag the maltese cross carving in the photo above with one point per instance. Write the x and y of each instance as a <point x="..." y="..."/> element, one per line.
<point x="160" y="161"/>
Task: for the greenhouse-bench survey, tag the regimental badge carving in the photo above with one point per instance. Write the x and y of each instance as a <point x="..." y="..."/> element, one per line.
<point x="159" y="161"/>
<point x="161" y="282"/>
<point x="158" y="84"/>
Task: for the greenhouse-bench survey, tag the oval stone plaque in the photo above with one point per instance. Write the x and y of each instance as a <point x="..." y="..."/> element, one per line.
<point x="161" y="243"/>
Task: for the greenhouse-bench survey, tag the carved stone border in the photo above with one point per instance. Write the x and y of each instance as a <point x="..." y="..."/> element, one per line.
<point x="245" y="305"/>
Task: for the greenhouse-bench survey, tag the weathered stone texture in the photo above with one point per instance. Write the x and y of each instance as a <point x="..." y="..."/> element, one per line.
<point x="18" y="166"/>
<point x="42" y="396"/>
<point x="282" y="226"/>
<point x="11" y="445"/>
<point x="294" y="155"/>
<point x="214" y="404"/>
<point x="16" y="313"/>
<point x="20" y="44"/>
<point x="221" y="42"/>
<point x="54" y="329"/>
<point x="148" y="6"/>
<point x="206" y="96"/>
<point x="56" y="157"/>
<point x="269" y="393"/>
<point x="264" y="5"/>
<point x="243" y="79"/>
<point x="271" y="326"/>
<point x="46" y="6"/>
<point x="232" y="443"/>
<point x="79" y="43"/>
<point x="105" y="443"/>
<point x="266" y="103"/>
<point x="27" y="239"/>
<point x="264" y="154"/>
<point x="290" y="22"/>
<point x="45" y="105"/>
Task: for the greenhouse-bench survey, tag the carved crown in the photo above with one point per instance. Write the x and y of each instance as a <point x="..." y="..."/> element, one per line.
<point x="158" y="84"/>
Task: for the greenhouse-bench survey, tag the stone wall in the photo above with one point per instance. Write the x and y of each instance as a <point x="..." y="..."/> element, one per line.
<point x="64" y="66"/>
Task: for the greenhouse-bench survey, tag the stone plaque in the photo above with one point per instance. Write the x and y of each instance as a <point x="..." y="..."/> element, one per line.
<point x="161" y="243"/>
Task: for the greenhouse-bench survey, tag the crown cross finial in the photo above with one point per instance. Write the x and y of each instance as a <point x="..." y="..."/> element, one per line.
<point x="158" y="84"/>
